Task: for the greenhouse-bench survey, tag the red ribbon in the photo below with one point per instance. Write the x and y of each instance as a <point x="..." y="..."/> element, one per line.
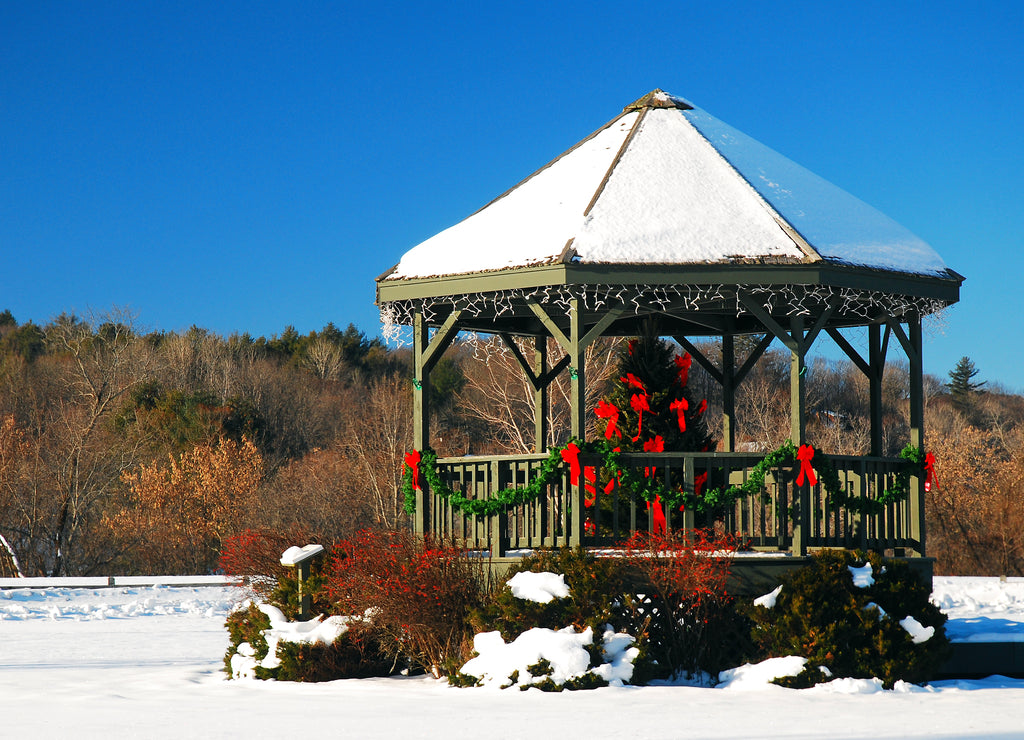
<point x="703" y="406"/>
<point x="653" y="445"/>
<point x="680" y="405"/>
<point x="632" y="381"/>
<point x="571" y="455"/>
<point x="660" y="524"/>
<point x="805" y="454"/>
<point x="610" y="412"/>
<point x="589" y="481"/>
<point x="929" y="469"/>
<point x="683" y="363"/>
<point x="699" y="483"/>
<point x="412" y="459"/>
<point x="639" y="404"/>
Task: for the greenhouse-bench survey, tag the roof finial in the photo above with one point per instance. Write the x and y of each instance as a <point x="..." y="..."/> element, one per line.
<point x="658" y="98"/>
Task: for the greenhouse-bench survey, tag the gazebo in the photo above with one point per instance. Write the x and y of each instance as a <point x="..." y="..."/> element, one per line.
<point x="667" y="214"/>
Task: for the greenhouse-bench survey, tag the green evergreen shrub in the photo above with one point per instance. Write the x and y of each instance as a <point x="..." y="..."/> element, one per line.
<point x="852" y="631"/>
<point x="355" y="654"/>
<point x="596" y="586"/>
<point x="247" y="625"/>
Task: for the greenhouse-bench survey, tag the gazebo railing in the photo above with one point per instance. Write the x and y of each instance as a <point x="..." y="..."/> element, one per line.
<point x="781" y="517"/>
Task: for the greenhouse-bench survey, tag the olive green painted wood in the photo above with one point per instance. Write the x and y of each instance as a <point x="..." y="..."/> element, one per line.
<point x="838" y="276"/>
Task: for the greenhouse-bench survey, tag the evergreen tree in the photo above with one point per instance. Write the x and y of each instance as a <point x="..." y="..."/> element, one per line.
<point x="651" y="405"/>
<point x="961" y="379"/>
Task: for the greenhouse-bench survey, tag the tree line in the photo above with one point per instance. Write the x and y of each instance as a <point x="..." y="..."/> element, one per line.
<point x="124" y="451"/>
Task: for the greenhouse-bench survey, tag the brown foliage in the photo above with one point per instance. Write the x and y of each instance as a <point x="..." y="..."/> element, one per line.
<point x="976" y="513"/>
<point x="180" y="512"/>
<point x="319" y="493"/>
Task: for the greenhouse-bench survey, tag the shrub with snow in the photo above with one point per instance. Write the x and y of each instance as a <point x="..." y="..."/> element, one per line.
<point x="265" y="645"/>
<point x="853" y="615"/>
<point x="593" y="590"/>
<point x="546" y="658"/>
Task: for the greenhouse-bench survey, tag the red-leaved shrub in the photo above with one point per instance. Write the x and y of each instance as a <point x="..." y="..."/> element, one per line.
<point x="681" y="607"/>
<point x="418" y="594"/>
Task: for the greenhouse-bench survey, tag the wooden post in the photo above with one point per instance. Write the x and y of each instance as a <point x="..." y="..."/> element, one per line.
<point x="577" y="372"/>
<point x="876" y="366"/>
<point x="728" y="393"/>
<point x="420" y="411"/>
<point x="798" y="428"/>
<point x="540" y="395"/>
<point x="689" y="523"/>
<point x="917" y="504"/>
<point x="578" y="422"/>
<point x="499" y="525"/>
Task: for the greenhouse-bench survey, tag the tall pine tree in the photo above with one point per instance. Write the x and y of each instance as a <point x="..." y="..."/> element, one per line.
<point x="961" y="379"/>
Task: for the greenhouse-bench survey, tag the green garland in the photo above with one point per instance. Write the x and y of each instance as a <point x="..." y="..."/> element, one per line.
<point x="913" y="455"/>
<point x="550" y="470"/>
<point x="651" y="490"/>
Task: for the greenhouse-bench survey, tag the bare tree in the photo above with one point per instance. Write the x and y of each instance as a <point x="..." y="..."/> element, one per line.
<point x="500" y="396"/>
<point x="378" y="433"/>
<point x="77" y="458"/>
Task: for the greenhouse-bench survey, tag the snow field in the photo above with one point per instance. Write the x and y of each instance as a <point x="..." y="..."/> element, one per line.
<point x="147" y="662"/>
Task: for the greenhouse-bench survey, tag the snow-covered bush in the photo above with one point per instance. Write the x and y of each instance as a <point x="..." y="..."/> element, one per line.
<point x="265" y="645"/>
<point x="853" y="615"/>
<point x="551" y="659"/>
<point x="595" y="587"/>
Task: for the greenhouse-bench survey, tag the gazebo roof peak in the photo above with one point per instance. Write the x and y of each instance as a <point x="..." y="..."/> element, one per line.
<point x="658" y="98"/>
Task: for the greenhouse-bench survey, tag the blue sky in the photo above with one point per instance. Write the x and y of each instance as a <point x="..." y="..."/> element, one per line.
<point x="245" y="166"/>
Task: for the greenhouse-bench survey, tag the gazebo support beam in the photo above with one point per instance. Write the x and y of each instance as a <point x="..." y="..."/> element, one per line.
<point x="912" y="342"/>
<point x="541" y="400"/>
<point x="728" y="393"/>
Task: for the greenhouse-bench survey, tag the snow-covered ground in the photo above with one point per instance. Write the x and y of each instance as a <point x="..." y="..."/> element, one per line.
<point x="136" y="661"/>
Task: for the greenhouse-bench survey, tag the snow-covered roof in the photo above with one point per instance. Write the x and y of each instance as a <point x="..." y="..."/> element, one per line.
<point x="667" y="183"/>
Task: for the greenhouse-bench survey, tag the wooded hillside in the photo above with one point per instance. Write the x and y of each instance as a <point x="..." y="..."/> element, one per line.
<point x="125" y="452"/>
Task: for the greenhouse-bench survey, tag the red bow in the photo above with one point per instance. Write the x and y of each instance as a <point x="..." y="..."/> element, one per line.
<point x="640" y="405"/>
<point x="680" y="405"/>
<point x="660" y="524"/>
<point x="929" y="469"/>
<point x="653" y="445"/>
<point x="632" y="381"/>
<point x="683" y="363"/>
<point x="571" y="455"/>
<point x="412" y="459"/>
<point x="805" y="454"/>
<point x="610" y="412"/>
<point x="703" y="406"/>
<point x="698" y="486"/>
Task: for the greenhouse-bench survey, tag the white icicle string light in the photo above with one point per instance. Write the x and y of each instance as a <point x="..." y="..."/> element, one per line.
<point x="797" y="300"/>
